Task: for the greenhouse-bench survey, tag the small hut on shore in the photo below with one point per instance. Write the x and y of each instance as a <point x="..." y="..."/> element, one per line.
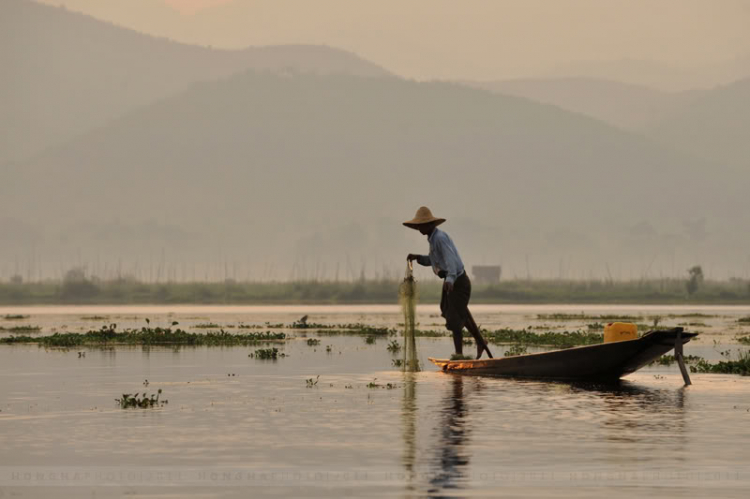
<point x="486" y="274"/>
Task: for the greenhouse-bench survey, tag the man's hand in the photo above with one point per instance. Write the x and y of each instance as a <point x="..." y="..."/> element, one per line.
<point x="447" y="286"/>
<point x="411" y="257"/>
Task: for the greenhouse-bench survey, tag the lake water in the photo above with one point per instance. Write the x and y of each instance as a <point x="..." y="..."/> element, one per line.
<point x="235" y="426"/>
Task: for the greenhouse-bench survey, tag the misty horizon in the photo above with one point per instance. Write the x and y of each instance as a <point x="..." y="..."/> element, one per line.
<point x="131" y="155"/>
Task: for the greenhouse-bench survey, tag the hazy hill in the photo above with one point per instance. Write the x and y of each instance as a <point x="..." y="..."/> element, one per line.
<point x="654" y="74"/>
<point x="274" y="167"/>
<point x="624" y="105"/>
<point x="714" y="126"/>
<point x="65" y="73"/>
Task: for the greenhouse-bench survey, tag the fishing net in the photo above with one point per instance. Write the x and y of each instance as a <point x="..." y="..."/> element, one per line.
<point x="407" y="296"/>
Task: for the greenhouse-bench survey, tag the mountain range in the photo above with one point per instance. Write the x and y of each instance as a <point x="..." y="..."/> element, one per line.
<point x="124" y="145"/>
<point x="70" y="73"/>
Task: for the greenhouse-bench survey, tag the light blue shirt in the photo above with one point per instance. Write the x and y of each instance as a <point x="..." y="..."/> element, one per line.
<point x="443" y="256"/>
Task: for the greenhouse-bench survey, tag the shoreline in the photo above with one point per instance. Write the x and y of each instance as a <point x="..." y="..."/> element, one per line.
<point x="370" y="308"/>
<point x="92" y="292"/>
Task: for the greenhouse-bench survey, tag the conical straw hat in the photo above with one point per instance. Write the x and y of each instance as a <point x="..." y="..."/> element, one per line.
<point x="423" y="216"/>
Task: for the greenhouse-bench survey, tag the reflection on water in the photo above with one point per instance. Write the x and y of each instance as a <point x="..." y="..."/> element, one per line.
<point x="409" y="421"/>
<point x="451" y="456"/>
<point x="629" y="421"/>
<point x="631" y="413"/>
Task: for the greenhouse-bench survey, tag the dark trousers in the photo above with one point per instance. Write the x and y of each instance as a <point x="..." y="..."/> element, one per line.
<point x="455" y="305"/>
<point x="455" y="309"/>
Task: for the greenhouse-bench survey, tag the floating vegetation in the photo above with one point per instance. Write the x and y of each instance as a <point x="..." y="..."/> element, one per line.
<point x="430" y="333"/>
<point x="358" y="329"/>
<point x="740" y="366"/>
<point x="394" y="346"/>
<point x="311" y="342"/>
<point x="583" y="317"/>
<point x="311" y="382"/>
<point x="744" y="320"/>
<point x="549" y="338"/>
<point x="516" y="350"/>
<point x="145" y="401"/>
<point x="267" y="354"/>
<point x="561" y="317"/>
<point x="108" y="335"/>
<point x="745" y="340"/>
<point x="94" y="318"/>
<point x="207" y="325"/>
<point x="21" y="329"/>
<point x="329" y="348"/>
<point x="370" y="340"/>
<point x="397" y="362"/>
<point x="692" y="316"/>
<point x="599" y="326"/>
<point x="668" y="360"/>
<point x="303" y="324"/>
<point x="15" y="317"/>
<point x="387" y="386"/>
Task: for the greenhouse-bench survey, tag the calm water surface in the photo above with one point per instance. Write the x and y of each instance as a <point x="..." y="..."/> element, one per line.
<point x="239" y="427"/>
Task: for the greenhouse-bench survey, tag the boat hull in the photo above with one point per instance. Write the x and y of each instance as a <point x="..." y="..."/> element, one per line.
<point x="602" y="362"/>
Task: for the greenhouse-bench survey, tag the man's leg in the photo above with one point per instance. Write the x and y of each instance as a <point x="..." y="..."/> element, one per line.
<point x="476" y="333"/>
<point x="458" y="341"/>
<point x="447" y="311"/>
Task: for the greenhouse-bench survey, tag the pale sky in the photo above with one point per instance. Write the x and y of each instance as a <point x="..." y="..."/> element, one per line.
<point x="190" y="7"/>
<point x="473" y="39"/>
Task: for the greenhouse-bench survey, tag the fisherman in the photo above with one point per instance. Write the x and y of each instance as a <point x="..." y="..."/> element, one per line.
<point x="447" y="264"/>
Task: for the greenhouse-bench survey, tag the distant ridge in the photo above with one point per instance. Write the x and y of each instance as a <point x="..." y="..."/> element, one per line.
<point x="66" y="73"/>
<point x="625" y="105"/>
<point x="714" y="126"/>
<point x="653" y="74"/>
<point x="282" y="165"/>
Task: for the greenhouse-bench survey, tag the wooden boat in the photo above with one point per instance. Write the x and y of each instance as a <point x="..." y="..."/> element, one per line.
<point x="602" y="362"/>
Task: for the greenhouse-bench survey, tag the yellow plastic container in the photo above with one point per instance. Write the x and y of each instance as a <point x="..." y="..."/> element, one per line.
<point x="620" y="331"/>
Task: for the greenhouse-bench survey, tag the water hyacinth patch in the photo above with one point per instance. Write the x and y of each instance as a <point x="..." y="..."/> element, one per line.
<point x="516" y="350"/>
<point x="267" y="354"/>
<point x="668" y="360"/>
<point x="549" y="338"/>
<point x="21" y="329"/>
<point x="583" y="317"/>
<point x="740" y="366"/>
<point x="136" y="401"/>
<point x="109" y="335"/>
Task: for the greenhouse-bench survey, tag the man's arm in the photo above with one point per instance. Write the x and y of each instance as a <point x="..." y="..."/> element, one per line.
<point x="423" y="260"/>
